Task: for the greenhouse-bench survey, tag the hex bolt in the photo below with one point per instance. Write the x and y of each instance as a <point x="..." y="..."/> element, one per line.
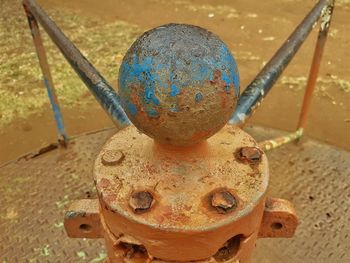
<point x="112" y="157"/>
<point x="223" y="201"/>
<point x="251" y="155"/>
<point x="141" y="201"/>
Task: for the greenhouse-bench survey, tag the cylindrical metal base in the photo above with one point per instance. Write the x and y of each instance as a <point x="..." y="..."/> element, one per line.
<point x="165" y="203"/>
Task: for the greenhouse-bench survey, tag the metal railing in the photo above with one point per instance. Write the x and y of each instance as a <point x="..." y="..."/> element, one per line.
<point x="248" y="102"/>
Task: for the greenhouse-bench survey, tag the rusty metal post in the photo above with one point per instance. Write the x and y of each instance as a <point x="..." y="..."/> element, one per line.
<point x="326" y="18"/>
<point x="188" y="188"/>
<point x="255" y="92"/>
<point x="274" y="143"/>
<point x="44" y="65"/>
<point x="315" y="66"/>
<point x="195" y="189"/>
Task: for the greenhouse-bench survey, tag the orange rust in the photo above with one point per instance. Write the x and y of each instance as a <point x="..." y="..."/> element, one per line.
<point x="217" y="79"/>
<point x="200" y="134"/>
<point x="103" y="183"/>
<point x="182" y="180"/>
<point x="206" y="202"/>
<point x="194" y="195"/>
<point x="141" y="201"/>
<point x="82" y="219"/>
<point x="249" y="155"/>
<point x="279" y="220"/>
<point x="313" y="73"/>
<point x="187" y="245"/>
<point x="189" y="153"/>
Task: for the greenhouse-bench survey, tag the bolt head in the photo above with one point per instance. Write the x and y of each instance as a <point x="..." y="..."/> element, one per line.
<point x="251" y="155"/>
<point x="223" y="201"/>
<point x="141" y="201"/>
<point x="112" y="157"/>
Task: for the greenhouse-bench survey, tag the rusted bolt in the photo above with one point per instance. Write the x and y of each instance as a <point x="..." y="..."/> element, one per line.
<point x="223" y="201"/>
<point x="112" y="157"/>
<point x="251" y="155"/>
<point x="141" y="201"/>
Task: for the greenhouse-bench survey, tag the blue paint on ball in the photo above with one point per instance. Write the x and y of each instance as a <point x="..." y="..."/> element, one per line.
<point x="171" y="63"/>
<point x="132" y="109"/>
<point x="198" y="97"/>
<point x="153" y="113"/>
<point x="174" y="90"/>
<point x="226" y="79"/>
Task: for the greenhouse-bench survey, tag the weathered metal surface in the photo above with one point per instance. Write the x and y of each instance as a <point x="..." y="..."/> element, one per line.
<point x="315" y="66"/>
<point x="141" y="201"/>
<point x="250" y="155"/>
<point x="223" y="201"/>
<point x="274" y="143"/>
<point x="179" y="83"/>
<point x="124" y="248"/>
<point x="99" y="87"/>
<point x="164" y="202"/>
<point x="279" y="219"/>
<point x="47" y="79"/>
<point x="82" y="219"/>
<point x="189" y="194"/>
<point x="252" y="96"/>
<point x="316" y="61"/>
<point x="36" y="191"/>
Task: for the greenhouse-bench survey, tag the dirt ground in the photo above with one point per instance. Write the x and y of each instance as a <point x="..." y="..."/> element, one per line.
<point x="104" y="30"/>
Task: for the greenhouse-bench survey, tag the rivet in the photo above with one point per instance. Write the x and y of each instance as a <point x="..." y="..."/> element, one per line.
<point x="223" y="201"/>
<point x="251" y="155"/>
<point x="141" y="201"/>
<point x="112" y="157"/>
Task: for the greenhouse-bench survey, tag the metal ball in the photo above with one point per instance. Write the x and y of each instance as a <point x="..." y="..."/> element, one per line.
<point x="178" y="84"/>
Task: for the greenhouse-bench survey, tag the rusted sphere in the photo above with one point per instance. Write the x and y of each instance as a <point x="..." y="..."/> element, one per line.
<point x="178" y="84"/>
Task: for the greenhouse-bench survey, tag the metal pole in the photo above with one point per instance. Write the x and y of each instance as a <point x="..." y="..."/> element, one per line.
<point x="99" y="87"/>
<point x="40" y="50"/>
<point x="315" y="66"/>
<point x="252" y="96"/>
<point x="279" y="141"/>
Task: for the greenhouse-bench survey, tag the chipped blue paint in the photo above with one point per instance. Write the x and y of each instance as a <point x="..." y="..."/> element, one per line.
<point x="153" y="113"/>
<point x="150" y="97"/>
<point x="140" y="72"/>
<point x="198" y="97"/>
<point x="148" y="73"/>
<point x="211" y="76"/>
<point x="160" y="74"/>
<point x="226" y="79"/>
<point x="56" y="110"/>
<point x="132" y="109"/>
<point x="233" y="75"/>
<point x="174" y="90"/>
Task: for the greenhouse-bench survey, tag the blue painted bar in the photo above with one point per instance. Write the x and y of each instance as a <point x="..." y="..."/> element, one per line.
<point x="56" y="110"/>
<point x="33" y="25"/>
<point x="99" y="87"/>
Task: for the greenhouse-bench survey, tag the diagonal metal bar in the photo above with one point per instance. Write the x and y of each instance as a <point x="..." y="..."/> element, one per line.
<point x="270" y="144"/>
<point x="252" y="96"/>
<point x="99" y="87"/>
<point x="316" y="61"/>
<point x="40" y="50"/>
<point x="310" y="87"/>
